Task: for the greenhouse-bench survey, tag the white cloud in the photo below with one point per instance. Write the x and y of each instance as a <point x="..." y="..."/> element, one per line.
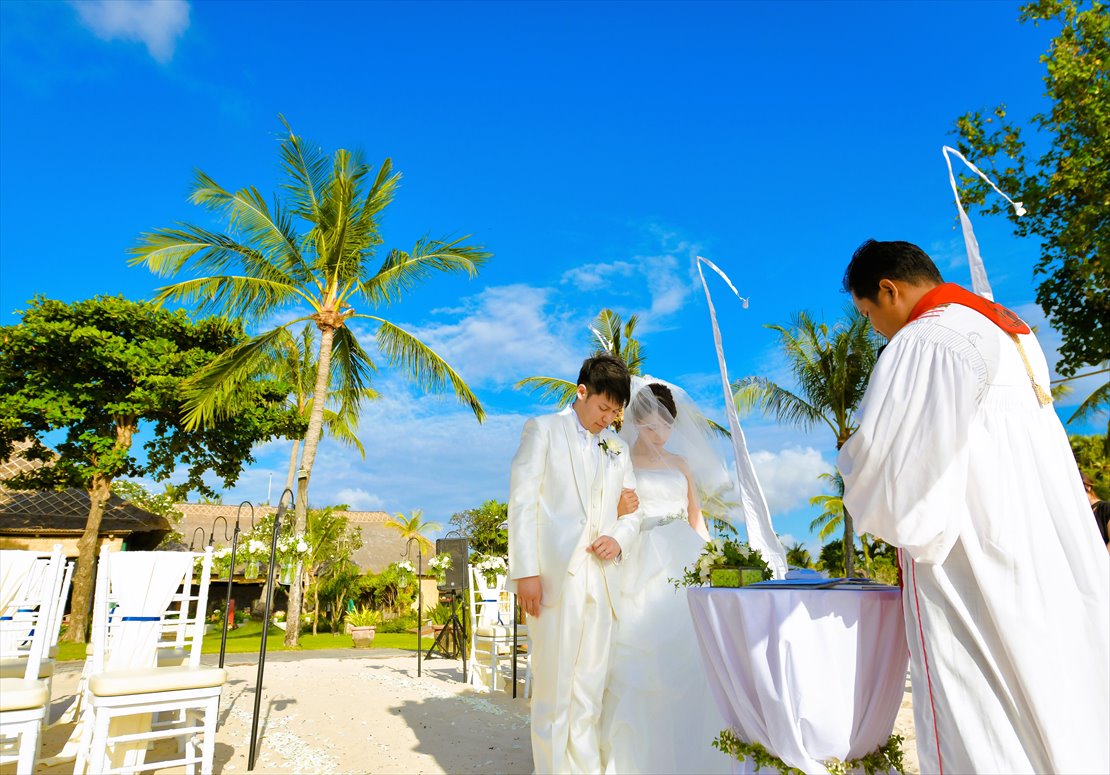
<point x="158" y="24"/>
<point x="508" y="333"/>
<point x="359" y="499"/>
<point x="789" y="477"/>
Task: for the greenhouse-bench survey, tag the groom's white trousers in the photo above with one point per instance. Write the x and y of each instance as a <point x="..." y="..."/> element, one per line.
<point x="570" y="665"/>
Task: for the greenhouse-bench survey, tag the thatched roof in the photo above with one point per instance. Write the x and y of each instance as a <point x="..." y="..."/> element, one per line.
<point x="65" y="512"/>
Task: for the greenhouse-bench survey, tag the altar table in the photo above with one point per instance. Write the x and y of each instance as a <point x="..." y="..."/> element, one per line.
<point x="810" y="674"/>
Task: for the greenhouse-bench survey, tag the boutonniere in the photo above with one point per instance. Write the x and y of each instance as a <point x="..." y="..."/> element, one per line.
<point x="610" y="448"/>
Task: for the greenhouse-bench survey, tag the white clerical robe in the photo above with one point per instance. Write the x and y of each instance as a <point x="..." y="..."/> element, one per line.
<point x="1006" y="581"/>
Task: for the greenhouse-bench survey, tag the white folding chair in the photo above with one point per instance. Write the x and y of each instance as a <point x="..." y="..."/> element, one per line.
<point x="26" y="624"/>
<point x="491" y="632"/>
<point x="126" y="688"/>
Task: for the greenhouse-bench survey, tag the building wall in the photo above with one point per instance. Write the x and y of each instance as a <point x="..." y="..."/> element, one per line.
<point x="46" y="543"/>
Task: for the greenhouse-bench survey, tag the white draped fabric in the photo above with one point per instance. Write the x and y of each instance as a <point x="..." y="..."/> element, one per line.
<point x="809" y="674"/>
<point x="757" y="515"/>
<point x="1007" y="581"/>
<point x="142" y="585"/>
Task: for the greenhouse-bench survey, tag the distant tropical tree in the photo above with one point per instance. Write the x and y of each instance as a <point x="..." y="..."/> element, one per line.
<point x="798" y="556"/>
<point x="332" y="542"/>
<point x="831" y="517"/>
<point x="831" y="367"/>
<point x="608" y="334"/>
<point x="483" y="528"/>
<point x="264" y="268"/>
<point x="413" y="526"/>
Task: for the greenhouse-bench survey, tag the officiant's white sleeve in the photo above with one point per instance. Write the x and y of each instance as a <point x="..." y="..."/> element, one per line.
<point x="525" y="477"/>
<point x="906" y="468"/>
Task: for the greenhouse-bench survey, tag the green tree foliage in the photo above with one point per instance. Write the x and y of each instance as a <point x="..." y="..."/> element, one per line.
<point x="482" y="528"/>
<point x="394" y="589"/>
<point x="1093" y="460"/>
<point x="161" y="504"/>
<point x="831" y="367"/>
<point x="1066" y="191"/>
<point x="797" y="556"/>
<point x="332" y="543"/>
<point x="265" y="268"/>
<point x="95" y="371"/>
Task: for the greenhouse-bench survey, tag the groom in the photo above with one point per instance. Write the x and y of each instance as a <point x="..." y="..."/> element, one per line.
<point x="569" y="478"/>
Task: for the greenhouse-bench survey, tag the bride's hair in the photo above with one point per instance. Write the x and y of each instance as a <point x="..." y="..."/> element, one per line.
<point x="665" y="397"/>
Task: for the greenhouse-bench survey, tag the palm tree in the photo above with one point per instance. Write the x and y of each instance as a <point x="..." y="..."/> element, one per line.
<point x="413" y="526"/>
<point x="293" y="361"/>
<point x="608" y="334"/>
<point x="831" y="517"/>
<point x="274" y="269"/>
<point x="831" y="368"/>
<point x="798" y="556"/>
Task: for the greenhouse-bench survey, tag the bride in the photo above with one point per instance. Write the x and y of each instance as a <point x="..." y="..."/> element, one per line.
<point x="658" y="715"/>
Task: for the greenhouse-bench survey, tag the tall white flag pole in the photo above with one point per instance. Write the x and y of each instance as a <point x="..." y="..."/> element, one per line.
<point x="757" y="517"/>
<point x="979" y="282"/>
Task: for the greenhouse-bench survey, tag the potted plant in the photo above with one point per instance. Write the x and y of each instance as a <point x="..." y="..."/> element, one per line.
<point x="278" y="619"/>
<point x="363" y="624"/>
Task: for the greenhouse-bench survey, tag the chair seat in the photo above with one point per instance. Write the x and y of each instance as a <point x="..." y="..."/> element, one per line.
<point x="500" y="631"/>
<point x="158" y="679"/>
<point x="17" y="694"/>
<point x="15" y="668"/>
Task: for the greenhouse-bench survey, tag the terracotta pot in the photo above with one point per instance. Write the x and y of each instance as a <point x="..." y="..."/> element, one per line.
<point x="363" y="636"/>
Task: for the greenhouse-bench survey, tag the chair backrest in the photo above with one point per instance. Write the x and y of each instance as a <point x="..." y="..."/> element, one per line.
<point x="27" y="617"/>
<point x="60" y="609"/>
<point x="139" y="597"/>
<point x="487" y="601"/>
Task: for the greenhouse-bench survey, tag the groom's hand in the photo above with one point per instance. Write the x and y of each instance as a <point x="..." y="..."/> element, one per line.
<point x="628" y="502"/>
<point x="605" y="548"/>
<point x="529" y="592"/>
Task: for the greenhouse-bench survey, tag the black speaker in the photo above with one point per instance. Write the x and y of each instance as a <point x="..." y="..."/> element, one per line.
<point x="456" y="576"/>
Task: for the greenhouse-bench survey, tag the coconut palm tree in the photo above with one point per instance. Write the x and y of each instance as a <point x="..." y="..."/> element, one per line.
<point x="831" y="367"/>
<point x="831" y="517"/>
<point x="413" y="526"/>
<point x="264" y="268"/>
<point x="608" y="334"/>
<point x="798" y="556"/>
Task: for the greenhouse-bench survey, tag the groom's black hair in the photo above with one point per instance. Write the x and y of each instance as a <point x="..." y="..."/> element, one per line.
<point x="875" y="261"/>
<point x="606" y="374"/>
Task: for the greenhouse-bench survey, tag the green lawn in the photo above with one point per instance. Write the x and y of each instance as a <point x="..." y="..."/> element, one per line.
<point x="247" y="639"/>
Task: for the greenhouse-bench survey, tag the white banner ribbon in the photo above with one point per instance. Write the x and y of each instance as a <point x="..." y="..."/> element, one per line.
<point x="757" y="516"/>
<point x="979" y="282"/>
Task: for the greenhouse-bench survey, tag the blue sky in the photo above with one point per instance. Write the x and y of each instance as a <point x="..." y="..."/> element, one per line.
<point x="594" y="148"/>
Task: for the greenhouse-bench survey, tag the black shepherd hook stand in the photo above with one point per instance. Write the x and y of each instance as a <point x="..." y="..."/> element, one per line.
<point x="266" y="624"/>
<point x="419" y="595"/>
<point x="231" y="568"/>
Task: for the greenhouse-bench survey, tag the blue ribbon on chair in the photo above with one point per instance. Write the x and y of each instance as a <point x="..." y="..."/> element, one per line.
<point x="141" y="619"/>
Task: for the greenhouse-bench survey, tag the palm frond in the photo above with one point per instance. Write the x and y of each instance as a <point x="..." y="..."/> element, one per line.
<point x="558" y="391"/>
<point x="402" y="271"/>
<point x="351" y="367"/>
<point x="233" y="296"/>
<point x="210" y="395"/>
<point x="426" y="368"/>
<point x="1098" y="401"/>
<point x="758" y="392"/>
<point x="307" y="166"/>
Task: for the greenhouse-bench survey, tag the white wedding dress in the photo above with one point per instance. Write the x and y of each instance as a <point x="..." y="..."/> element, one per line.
<point x="658" y="715"/>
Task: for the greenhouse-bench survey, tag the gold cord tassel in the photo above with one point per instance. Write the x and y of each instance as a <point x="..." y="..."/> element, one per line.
<point x="1044" y="398"/>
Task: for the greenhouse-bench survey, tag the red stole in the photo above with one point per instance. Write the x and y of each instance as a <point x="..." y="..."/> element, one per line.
<point x="950" y="293"/>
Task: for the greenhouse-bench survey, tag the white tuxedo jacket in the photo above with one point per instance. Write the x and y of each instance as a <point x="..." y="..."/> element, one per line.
<point x="549" y="504"/>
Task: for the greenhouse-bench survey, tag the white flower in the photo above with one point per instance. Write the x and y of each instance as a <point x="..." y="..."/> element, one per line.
<point x="302" y="547"/>
<point x="610" y="447"/>
<point x="405" y="566"/>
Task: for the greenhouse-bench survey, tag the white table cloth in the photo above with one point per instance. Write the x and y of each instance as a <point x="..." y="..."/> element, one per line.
<point x="809" y="674"/>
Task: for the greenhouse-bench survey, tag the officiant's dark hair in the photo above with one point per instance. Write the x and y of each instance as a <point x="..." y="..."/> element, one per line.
<point x="606" y="374"/>
<point x="876" y="261"/>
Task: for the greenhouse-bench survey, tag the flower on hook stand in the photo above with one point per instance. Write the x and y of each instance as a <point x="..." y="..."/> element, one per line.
<point x="439" y="565"/>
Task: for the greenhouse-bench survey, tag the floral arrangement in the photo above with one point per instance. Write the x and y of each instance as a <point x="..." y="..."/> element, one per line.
<point x="291" y="548"/>
<point x="885" y="758"/>
<point x="489" y="566"/>
<point x="404" y="570"/>
<point x="439" y="566"/>
<point x="718" y="554"/>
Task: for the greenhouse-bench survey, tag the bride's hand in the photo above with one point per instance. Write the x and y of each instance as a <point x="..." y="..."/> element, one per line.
<point x="605" y="548"/>
<point x="628" y="502"/>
